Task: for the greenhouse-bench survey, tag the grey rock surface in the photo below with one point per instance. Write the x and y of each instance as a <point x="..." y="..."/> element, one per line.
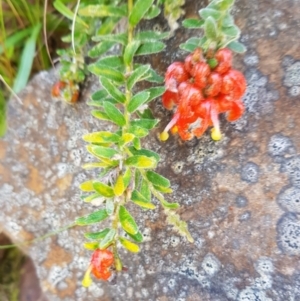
<point x="240" y="196"/>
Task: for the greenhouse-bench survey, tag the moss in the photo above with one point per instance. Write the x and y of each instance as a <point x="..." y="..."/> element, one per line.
<point x="11" y="261"/>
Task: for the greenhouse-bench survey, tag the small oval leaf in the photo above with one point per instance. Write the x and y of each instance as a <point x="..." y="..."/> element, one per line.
<point x="96" y="235"/>
<point x="114" y="114"/>
<point x="92" y="218"/>
<point x="119" y="187"/>
<point x="157" y="179"/>
<point x="138" y="100"/>
<point x="127" y="221"/>
<point x="139" y="10"/>
<point x="87" y="186"/>
<point x="141" y="162"/>
<point x="130" y="246"/>
<point x="108" y="239"/>
<point x="103" y="189"/>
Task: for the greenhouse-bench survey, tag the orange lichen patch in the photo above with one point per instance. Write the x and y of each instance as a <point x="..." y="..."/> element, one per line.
<point x="35" y="181"/>
<point x="57" y="256"/>
<point x="2" y="149"/>
<point x="70" y="290"/>
<point x="26" y="236"/>
<point x="64" y="183"/>
<point x="3" y="173"/>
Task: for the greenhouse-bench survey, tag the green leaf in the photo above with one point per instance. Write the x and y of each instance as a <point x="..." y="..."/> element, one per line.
<point x="108" y="25"/>
<point x="100" y="48"/>
<point x="99" y="95"/>
<point x="91" y="197"/>
<point x="108" y="239"/>
<point x="137" y="75"/>
<point x="237" y="47"/>
<point x="157" y="179"/>
<point x="146" y="114"/>
<point x="120" y="38"/>
<point x="232" y="31"/>
<point x="228" y="20"/>
<point x="137" y="100"/>
<point x="130" y="50"/>
<point x="130" y="246"/>
<point x="109" y="206"/>
<point x="126" y="138"/>
<point x="153" y="12"/>
<point x="205" y="13"/>
<point x="96" y="235"/>
<point x="92" y="218"/>
<point x="91" y="246"/>
<point x="112" y="90"/>
<point x="92" y="165"/>
<point x="152" y="77"/>
<point x="145" y="152"/>
<point x="127" y="221"/>
<point x="100" y="115"/>
<point x="138" y="199"/>
<point x="210" y="28"/>
<point x="137" y="237"/>
<point x="191" y="44"/>
<point x="192" y="23"/>
<point x="149" y="36"/>
<point x="65" y="11"/>
<point x="141" y="162"/>
<point x="26" y="60"/>
<point x="221" y="4"/>
<point x="138" y="131"/>
<point x="163" y="189"/>
<point x="150" y="48"/>
<point x="155" y="92"/>
<point x="140" y="8"/>
<point x="103" y="189"/>
<point x="136" y="143"/>
<point x="105" y="152"/>
<point x="101" y="137"/>
<point x="112" y="61"/>
<point x="172" y="206"/>
<point x="114" y="114"/>
<point x="119" y="187"/>
<point x="107" y="72"/>
<point x="127" y="177"/>
<point x="145" y="123"/>
<point x="137" y="178"/>
<point x="87" y="186"/>
<point x="145" y="190"/>
<point x="100" y="11"/>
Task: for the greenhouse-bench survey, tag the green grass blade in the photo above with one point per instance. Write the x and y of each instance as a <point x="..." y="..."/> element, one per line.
<point x="15" y="38"/>
<point x="26" y="61"/>
<point x="2" y="115"/>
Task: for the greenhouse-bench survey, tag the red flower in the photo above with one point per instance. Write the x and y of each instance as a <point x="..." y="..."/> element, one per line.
<point x="101" y="262"/>
<point x="214" y="84"/>
<point x="192" y="59"/>
<point x="224" y="58"/>
<point x="234" y="84"/>
<point x="201" y="71"/>
<point x="175" y="75"/>
<point x="201" y="94"/>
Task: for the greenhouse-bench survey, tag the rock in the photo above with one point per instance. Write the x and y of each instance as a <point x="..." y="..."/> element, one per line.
<point x="240" y="196"/>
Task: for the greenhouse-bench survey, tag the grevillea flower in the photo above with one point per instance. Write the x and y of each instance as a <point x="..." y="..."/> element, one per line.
<point x="100" y="266"/>
<point x="200" y="93"/>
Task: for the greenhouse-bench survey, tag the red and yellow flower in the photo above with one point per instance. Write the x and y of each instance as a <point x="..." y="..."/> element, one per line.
<point x="200" y="93"/>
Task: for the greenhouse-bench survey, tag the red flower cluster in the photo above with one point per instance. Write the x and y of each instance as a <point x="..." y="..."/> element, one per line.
<point x="201" y="92"/>
<point x="101" y="262"/>
<point x="68" y="91"/>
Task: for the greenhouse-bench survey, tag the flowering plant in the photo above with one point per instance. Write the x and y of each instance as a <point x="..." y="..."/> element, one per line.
<point x="199" y="88"/>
